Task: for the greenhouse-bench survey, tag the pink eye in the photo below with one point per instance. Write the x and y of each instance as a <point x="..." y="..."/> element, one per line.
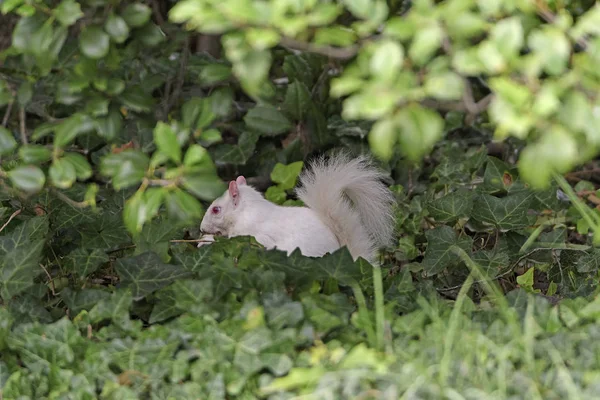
<point x="216" y="210"/>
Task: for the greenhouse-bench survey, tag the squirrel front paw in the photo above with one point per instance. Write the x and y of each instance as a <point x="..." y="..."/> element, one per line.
<point x="206" y="239"/>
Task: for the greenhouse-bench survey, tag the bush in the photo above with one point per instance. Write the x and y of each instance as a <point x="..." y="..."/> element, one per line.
<point x="121" y="121"/>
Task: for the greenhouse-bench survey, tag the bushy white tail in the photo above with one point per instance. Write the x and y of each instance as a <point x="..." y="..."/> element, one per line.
<point x="351" y="200"/>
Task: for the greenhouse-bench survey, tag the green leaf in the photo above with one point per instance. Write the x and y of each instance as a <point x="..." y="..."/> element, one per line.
<point x="151" y="35"/>
<point x="507" y="213"/>
<point x="214" y="73"/>
<point x="183" y="206"/>
<point x="68" y="12"/>
<point x="27" y="178"/>
<point x="68" y="129"/>
<point x="386" y="61"/>
<point x="426" y="42"/>
<point x="205" y="186"/>
<point x="237" y="154"/>
<point x="267" y="120"/>
<point x="83" y="169"/>
<point x="136" y="99"/>
<point x="452" y="206"/>
<point x="195" y="155"/>
<point x="7" y="141"/>
<point x="439" y="254"/>
<point x="420" y="129"/>
<point x="62" y="173"/>
<point x="135" y="213"/>
<point x="145" y="274"/>
<point x="109" y="127"/>
<point x="166" y="141"/>
<point x="297" y="99"/>
<point x="383" y="137"/>
<point x="136" y="14"/>
<point x="117" y="28"/>
<point x="286" y="175"/>
<point x="526" y="281"/>
<point x="507" y="35"/>
<point x="196" y="113"/>
<point x="94" y="42"/>
<point x="276" y="194"/>
<point x="445" y="85"/>
<point x="84" y="262"/>
<point x="84" y="299"/>
<point x="126" y="168"/>
<point x="34" y="154"/>
<point x="19" y="268"/>
<point x="25" y="93"/>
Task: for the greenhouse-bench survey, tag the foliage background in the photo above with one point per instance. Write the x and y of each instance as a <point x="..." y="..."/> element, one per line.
<point x="121" y="121"/>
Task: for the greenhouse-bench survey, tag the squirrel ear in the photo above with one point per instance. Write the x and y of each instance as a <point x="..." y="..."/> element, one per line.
<point x="234" y="192"/>
<point x="240" y="180"/>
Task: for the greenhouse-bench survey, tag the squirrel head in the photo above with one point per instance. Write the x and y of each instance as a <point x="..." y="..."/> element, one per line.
<point x="221" y="215"/>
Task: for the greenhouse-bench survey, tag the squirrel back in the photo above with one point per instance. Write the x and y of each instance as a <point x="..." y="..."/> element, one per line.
<point x="349" y="197"/>
<point x="347" y="205"/>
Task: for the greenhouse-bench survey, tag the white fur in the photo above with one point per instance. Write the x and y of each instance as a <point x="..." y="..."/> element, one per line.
<point x="347" y="206"/>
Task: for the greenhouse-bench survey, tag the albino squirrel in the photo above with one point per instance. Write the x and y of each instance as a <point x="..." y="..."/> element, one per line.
<point x="347" y="205"/>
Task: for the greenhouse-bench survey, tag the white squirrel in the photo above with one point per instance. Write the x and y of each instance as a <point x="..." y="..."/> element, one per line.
<point x="347" y="205"/>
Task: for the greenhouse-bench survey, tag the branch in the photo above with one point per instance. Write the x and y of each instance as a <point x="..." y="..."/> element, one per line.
<point x="329" y="51"/>
<point x="70" y="201"/>
<point x="22" y="123"/>
<point x="10" y="219"/>
<point x="7" y="113"/>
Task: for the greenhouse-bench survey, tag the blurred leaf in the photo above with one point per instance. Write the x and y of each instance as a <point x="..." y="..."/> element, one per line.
<point x="27" y="178"/>
<point x="34" y="154"/>
<point x="93" y="42"/>
<point x="206" y="187"/>
<point x="126" y="168"/>
<point x="183" y="206"/>
<point x="420" y="129"/>
<point x="7" y="141"/>
<point x="267" y="120"/>
<point x="135" y="99"/>
<point x="85" y="262"/>
<point x="117" y="28"/>
<point x="136" y="14"/>
<point x="387" y="60"/>
<point x="62" y="173"/>
<point x="166" y="141"/>
<point x="68" y="12"/>
<point x="83" y="169"/>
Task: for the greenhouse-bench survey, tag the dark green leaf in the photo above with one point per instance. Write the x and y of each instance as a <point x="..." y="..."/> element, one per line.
<point x="267" y="120"/>
<point x="137" y="100"/>
<point x="297" y="99"/>
<point x="85" y="262"/>
<point x="146" y="273"/>
<point x="34" y="154"/>
<point x="84" y="299"/>
<point x="183" y="206"/>
<point x="151" y="35"/>
<point x="452" y="206"/>
<point x="510" y="212"/>
<point x="126" y="168"/>
<point x="109" y="127"/>
<point x="439" y="254"/>
<point x="62" y="173"/>
<point x="68" y="129"/>
<point x="238" y="154"/>
<point x="82" y="167"/>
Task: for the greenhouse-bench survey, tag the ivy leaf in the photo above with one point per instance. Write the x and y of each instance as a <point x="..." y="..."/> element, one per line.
<point x="238" y="154"/>
<point x="94" y="42"/>
<point x="439" y="254"/>
<point x="136" y="99"/>
<point x="267" y="120"/>
<point x="286" y="175"/>
<point x="146" y="273"/>
<point x="86" y="299"/>
<point x="452" y="206"/>
<point x="27" y="178"/>
<point x="507" y="213"/>
<point x="84" y="262"/>
<point x="297" y="100"/>
<point x="19" y="268"/>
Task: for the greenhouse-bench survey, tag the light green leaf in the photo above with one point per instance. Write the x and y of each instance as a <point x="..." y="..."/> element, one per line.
<point x="117" y="28"/>
<point x="276" y="194"/>
<point x="27" y="178"/>
<point x="444" y="85"/>
<point x="286" y="175"/>
<point x="7" y="141"/>
<point x="205" y="186"/>
<point x="68" y="129"/>
<point x="508" y="37"/>
<point x="126" y="168"/>
<point x="183" y="206"/>
<point x="34" y="153"/>
<point x="425" y="42"/>
<point x="62" y="173"/>
<point x="166" y="141"/>
<point x="383" y="137"/>
<point x="420" y="129"/>
<point x="83" y="169"/>
<point x="386" y="61"/>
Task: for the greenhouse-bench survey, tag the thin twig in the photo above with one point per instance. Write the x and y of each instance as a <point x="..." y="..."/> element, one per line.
<point x="156" y="11"/>
<point x="185" y="54"/>
<point x="70" y="201"/>
<point x="10" y="219"/>
<point x="22" y="123"/>
<point x="329" y="51"/>
<point x="7" y="113"/>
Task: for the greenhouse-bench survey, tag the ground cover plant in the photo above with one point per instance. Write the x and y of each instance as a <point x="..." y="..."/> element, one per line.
<point x="122" y="120"/>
